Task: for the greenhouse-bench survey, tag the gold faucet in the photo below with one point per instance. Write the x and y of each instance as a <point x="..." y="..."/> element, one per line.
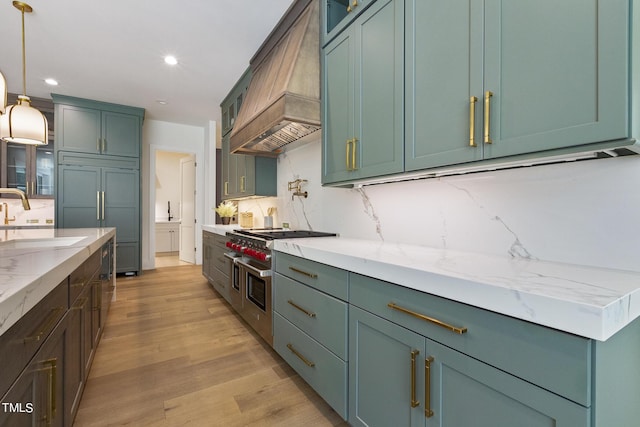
<point x="5" y="207"/>
<point x="25" y="201"/>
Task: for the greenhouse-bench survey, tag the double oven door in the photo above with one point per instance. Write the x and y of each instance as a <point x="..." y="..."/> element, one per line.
<point x="251" y="295"/>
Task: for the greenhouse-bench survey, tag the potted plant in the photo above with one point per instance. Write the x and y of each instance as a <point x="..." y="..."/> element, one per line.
<point x="226" y="210"/>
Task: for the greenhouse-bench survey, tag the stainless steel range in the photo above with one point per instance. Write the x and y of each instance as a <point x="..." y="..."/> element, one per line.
<point x="251" y="273"/>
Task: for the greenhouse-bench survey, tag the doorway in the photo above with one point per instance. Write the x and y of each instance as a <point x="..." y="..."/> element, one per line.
<point x="174" y="230"/>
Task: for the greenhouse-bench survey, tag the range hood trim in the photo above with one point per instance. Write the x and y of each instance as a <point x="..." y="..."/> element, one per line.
<point x="283" y="98"/>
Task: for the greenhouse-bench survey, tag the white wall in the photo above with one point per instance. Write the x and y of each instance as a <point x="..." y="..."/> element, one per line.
<point x="582" y="212"/>
<point x="167" y="184"/>
<point x="164" y="136"/>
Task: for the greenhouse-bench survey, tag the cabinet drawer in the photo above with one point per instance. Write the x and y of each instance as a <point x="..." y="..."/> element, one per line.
<point x="325" y="372"/>
<point x="331" y="280"/>
<point x="24" y="338"/>
<point x="321" y="316"/>
<point x="82" y="275"/>
<point x="557" y="361"/>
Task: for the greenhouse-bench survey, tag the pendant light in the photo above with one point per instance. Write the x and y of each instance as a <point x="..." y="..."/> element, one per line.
<point x="21" y="123"/>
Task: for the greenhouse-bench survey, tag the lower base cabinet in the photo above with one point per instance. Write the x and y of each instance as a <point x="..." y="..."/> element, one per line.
<point x="215" y="266"/>
<point x="400" y="378"/>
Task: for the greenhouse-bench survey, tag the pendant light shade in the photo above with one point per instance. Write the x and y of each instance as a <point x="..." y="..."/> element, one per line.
<point x="21" y="123"/>
<point x="3" y="94"/>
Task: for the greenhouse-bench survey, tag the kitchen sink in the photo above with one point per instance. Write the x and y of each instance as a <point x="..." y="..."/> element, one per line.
<point x="50" y="242"/>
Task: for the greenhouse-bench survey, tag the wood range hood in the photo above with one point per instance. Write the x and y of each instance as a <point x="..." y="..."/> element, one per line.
<point x="282" y="103"/>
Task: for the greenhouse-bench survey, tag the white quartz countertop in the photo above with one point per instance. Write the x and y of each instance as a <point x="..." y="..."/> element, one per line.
<point x="220" y="229"/>
<point x="590" y="302"/>
<point x="34" y="261"/>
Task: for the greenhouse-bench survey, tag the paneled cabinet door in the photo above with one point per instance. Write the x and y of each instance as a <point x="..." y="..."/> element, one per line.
<point x="78" y="200"/>
<point x="466" y="392"/>
<point x="443" y="69"/>
<point x="552" y="87"/>
<point x="363" y="95"/>
<point x="121" y="134"/>
<point x="384" y="372"/>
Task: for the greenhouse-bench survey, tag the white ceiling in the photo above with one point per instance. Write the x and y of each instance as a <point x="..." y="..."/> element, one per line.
<point x="113" y="50"/>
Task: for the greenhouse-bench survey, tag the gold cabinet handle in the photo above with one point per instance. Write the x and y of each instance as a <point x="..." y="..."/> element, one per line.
<point x="414" y="401"/>
<point x="50" y="366"/>
<point x="226" y="188"/>
<point x="472" y="121"/>
<point x="487" y="117"/>
<point x="80" y="303"/>
<point x="297" y="270"/>
<point x="348" y="154"/>
<point x="98" y="145"/>
<point x="242" y="180"/>
<point x="104" y="145"/>
<point x="46" y="326"/>
<point x="103" y="205"/>
<point x="301" y="357"/>
<point x="308" y="313"/>
<point x="428" y="412"/>
<point x="98" y="205"/>
<point x="353" y="154"/>
<point x="456" y="329"/>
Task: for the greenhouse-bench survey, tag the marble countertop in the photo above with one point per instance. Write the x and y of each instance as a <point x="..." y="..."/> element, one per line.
<point x="31" y="266"/>
<point x="590" y="302"/>
<point x="219" y="228"/>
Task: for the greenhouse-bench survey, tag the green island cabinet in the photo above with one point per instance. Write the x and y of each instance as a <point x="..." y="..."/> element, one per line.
<point x="480" y="82"/>
<point x="243" y="175"/>
<point x="363" y="95"/>
<point x="98" y="184"/>
<point x="216" y="267"/>
<point x="408" y="358"/>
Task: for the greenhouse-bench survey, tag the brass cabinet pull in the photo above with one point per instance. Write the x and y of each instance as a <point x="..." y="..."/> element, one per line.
<point x="104" y="145"/>
<point x="456" y="329"/>
<point x="472" y="121"/>
<point x="50" y="366"/>
<point x="414" y="401"/>
<point x="353" y="154"/>
<point x="80" y="304"/>
<point x="297" y="270"/>
<point x="98" y="205"/>
<point x="487" y="116"/>
<point x="308" y="313"/>
<point x="348" y="154"/>
<point x="98" y="145"/>
<point x="226" y="188"/>
<point x="242" y="184"/>
<point x="46" y="326"/>
<point x="428" y="412"/>
<point x="103" y="205"/>
<point x="301" y="357"/>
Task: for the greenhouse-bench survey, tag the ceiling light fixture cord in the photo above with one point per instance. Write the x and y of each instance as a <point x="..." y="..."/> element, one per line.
<point x="24" y="55"/>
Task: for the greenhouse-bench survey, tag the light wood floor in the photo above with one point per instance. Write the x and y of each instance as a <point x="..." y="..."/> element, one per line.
<point x="174" y="353"/>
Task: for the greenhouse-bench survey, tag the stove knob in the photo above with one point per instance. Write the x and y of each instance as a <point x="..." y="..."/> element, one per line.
<point x="229" y="245"/>
<point x="262" y="256"/>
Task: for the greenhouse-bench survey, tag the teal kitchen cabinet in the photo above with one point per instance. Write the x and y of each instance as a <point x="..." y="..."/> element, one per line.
<point x="97" y="128"/>
<point x="513" y="77"/>
<point x="363" y="96"/>
<point x="424" y="360"/>
<point x="337" y="14"/>
<point x="231" y="104"/>
<point x="310" y="325"/>
<point x="99" y="196"/>
<point x="400" y="378"/>
<point x="246" y="176"/>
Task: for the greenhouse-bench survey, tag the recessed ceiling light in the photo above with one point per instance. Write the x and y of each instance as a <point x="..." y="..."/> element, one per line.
<point x="51" y="82"/>
<point x="161" y="102"/>
<point x="171" y="60"/>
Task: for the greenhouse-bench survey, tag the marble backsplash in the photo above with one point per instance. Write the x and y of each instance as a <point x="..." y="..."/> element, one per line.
<point x="580" y="212"/>
<point x="42" y="212"/>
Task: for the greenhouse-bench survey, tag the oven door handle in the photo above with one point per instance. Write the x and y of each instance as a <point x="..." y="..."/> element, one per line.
<point x="231" y="257"/>
<point x="260" y="273"/>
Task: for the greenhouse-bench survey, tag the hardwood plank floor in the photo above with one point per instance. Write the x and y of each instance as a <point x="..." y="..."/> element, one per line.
<point x="174" y="353"/>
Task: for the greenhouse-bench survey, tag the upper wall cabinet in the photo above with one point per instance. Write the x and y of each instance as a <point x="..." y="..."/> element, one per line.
<point x="480" y="83"/>
<point x="363" y="96"/>
<point x="232" y="103"/>
<point x="87" y="127"/>
<point x="337" y="14"/>
<point x="512" y="78"/>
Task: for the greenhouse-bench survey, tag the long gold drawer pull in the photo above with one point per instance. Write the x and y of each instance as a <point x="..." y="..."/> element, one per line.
<point x="46" y="326"/>
<point x="297" y="270"/>
<point x="414" y="401"/>
<point x="80" y="304"/>
<point x="348" y="154"/>
<point x="103" y="205"/>
<point x="428" y="412"/>
<point x="487" y="117"/>
<point x="472" y="121"/>
<point x="50" y="366"/>
<point x="353" y="154"/>
<point x="456" y="329"/>
<point x="308" y="313"/>
<point x="98" y="205"/>
<point x="301" y="357"/>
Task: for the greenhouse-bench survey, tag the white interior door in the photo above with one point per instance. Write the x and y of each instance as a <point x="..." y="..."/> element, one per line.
<point x="188" y="209"/>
